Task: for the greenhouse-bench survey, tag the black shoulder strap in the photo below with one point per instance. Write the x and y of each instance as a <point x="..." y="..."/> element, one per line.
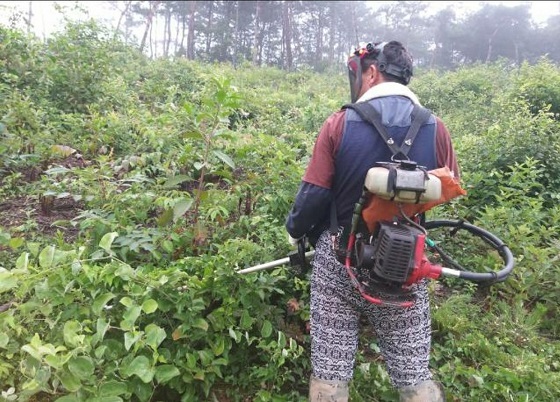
<point x="420" y="115"/>
<point x="369" y="114"/>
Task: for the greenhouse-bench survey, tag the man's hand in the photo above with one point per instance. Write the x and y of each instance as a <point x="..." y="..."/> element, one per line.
<point x="293" y="241"/>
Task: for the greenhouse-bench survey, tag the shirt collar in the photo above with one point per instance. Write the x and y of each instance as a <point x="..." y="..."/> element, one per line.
<point x="389" y="89"/>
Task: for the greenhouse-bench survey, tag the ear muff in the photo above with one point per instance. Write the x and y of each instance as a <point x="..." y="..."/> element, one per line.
<point x="377" y="52"/>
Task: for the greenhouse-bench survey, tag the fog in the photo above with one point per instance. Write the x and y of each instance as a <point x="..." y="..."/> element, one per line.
<point x="318" y="34"/>
<point x="46" y="19"/>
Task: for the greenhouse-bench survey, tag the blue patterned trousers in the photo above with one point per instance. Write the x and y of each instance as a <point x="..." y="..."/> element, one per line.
<point x="403" y="334"/>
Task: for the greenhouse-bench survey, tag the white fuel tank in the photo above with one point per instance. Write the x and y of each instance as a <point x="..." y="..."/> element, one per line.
<point x="376" y="183"/>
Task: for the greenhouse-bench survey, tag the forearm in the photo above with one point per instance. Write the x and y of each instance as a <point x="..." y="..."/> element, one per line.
<point x="311" y="208"/>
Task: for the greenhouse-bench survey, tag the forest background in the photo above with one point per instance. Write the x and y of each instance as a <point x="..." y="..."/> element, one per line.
<point x="133" y="184"/>
<point x="291" y="34"/>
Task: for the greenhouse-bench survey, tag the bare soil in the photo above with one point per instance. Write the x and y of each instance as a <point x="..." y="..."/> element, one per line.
<point x="23" y="213"/>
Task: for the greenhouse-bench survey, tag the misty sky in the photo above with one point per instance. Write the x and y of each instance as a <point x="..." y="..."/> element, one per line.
<point x="46" y="20"/>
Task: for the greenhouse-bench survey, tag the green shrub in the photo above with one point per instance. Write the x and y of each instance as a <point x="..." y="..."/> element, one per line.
<point x="539" y="86"/>
<point x="186" y="173"/>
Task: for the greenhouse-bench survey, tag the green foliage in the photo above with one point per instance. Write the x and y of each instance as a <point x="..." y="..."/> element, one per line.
<point x="20" y="63"/>
<point x="463" y="98"/>
<point x="145" y="184"/>
<point x="496" y="121"/>
<point x="141" y="328"/>
<point x="81" y="59"/>
<point x="478" y="348"/>
<point x="538" y="85"/>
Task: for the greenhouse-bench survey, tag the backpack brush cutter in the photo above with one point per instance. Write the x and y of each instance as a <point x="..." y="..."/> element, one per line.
<point x="381" y="274"/>
<point x="385" y="263"/>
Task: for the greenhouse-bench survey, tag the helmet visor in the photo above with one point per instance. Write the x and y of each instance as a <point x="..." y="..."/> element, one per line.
<point x="354" y="77"/>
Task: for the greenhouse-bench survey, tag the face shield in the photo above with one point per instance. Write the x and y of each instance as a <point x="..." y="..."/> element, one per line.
<point x="354" y="77"/>
<point x="355" y="66"/>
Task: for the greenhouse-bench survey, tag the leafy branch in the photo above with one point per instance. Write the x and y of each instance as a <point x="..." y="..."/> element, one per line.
<point x="208" y="122"/>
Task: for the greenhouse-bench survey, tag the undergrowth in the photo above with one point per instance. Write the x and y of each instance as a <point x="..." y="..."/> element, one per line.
<point x="133" y="189"/>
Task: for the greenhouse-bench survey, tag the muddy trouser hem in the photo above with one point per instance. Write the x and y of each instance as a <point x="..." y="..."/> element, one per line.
<point x="403" y="334"/>
<point x="426" y="391"/>
<point x="327" y="391"/>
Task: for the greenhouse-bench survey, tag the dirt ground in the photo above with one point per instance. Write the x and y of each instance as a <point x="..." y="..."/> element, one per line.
<point x="29" y="214"/>
<point x="24" y="214"/>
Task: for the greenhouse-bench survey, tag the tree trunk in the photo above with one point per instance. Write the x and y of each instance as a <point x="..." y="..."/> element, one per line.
<point x="190" y="37"/>
<point x="226" y="37"/>
<point x="184" y="28"/>
<point x="153" y="7"/>
<point x="125" y="11"/>
<point x="236" y="35"/>
<point x="260" y="45"/>
<point x="257" y="34"/>
<point x="287" y="33"/>
<point x="332" y="33"/>
<point x="168" y="29"/>
<point x="209" y="27"/>
<point x="151" y="41"/>
<point x="165" y="22"/>
<point x="296" y="37"/>
<point x="177" y="30"/>
<point x="29" y="18"/>
<point x="319" y="42"/>
<point x="489" y="54"/>
<point x="355" y="24"/>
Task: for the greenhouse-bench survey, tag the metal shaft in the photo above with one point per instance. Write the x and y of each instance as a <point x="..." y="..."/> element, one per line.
<point x="271" y="264"/>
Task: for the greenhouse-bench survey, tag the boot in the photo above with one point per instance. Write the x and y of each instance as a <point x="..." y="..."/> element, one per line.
<point x="328" y="391"/>
<point x="426" y="391"/>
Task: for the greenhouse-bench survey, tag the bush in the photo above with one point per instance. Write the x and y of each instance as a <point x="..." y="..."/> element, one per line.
<point x="154" y="180"/>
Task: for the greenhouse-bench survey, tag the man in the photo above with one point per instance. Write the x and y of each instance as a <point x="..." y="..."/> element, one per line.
<point x="345" y="149"/>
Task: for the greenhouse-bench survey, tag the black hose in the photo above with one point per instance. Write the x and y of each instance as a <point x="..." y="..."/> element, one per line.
<point x="446" y="258"/>
<point x="489" y="238"/>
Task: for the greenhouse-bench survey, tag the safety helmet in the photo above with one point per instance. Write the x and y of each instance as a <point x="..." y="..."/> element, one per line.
<point x="373" y="51"/>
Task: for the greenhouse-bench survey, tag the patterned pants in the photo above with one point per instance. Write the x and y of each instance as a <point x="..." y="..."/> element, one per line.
<point x="403" y="334"/>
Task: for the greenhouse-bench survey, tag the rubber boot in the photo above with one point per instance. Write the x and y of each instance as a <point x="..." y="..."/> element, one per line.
<point x="426" y="391"/>
<point x="328" y="391"/>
